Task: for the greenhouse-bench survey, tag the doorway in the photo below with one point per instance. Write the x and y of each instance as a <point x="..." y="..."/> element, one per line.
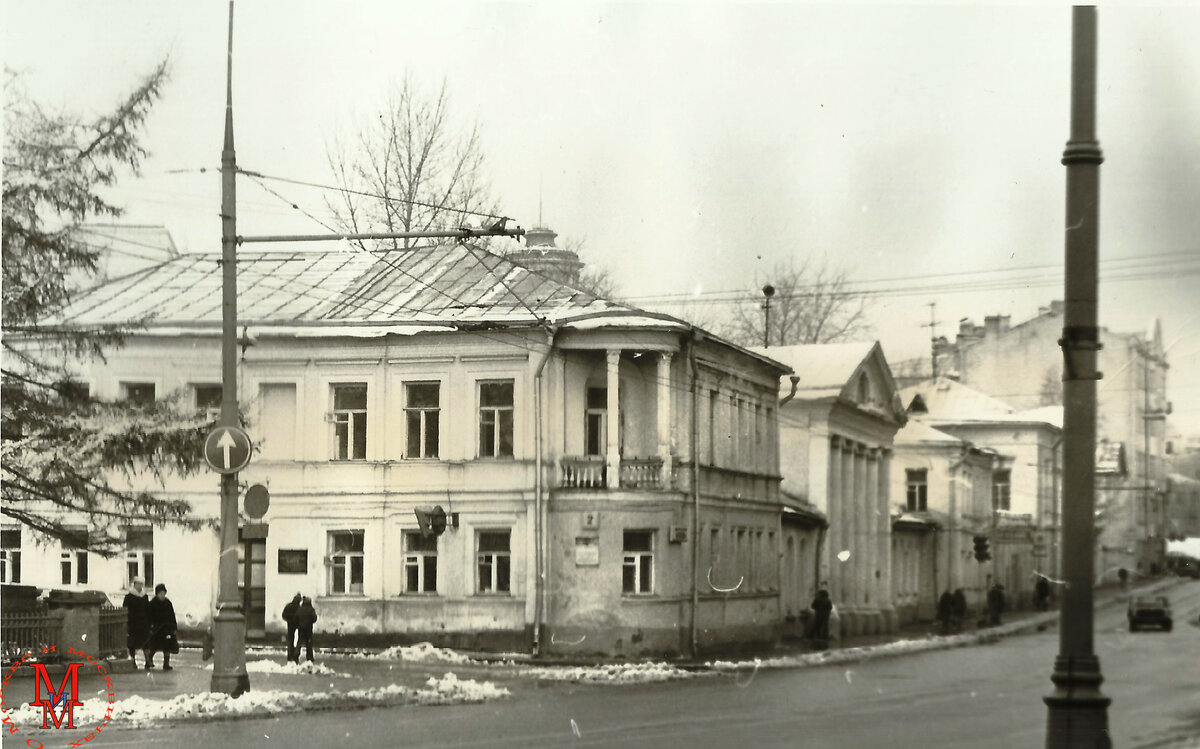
<point x="252" y="582"/>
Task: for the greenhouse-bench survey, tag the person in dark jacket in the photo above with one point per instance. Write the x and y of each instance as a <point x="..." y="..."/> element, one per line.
<point x="162" y="628"/>
<point x="959" y="610"/>
<point x="995" y="602"/>
<point x="289" y="616"/>
<point x="822" y="607"/>
<point x="137" y="630"/>
<point x="945" y="612"/>
<point x="306" y="617"/>
<point x="1041" y="592"/>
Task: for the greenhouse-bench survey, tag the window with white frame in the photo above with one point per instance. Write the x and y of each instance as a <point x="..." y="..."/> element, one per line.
<point x="139" y="555"/>
<point x="346" y="562"/>
<point x="637" y="568"/>
<point x="349" y="420"/>
<point x="917" y="489"/>
<point x="496" y="419"/>
<point x="596" y="439"/>
<point x="138" y="393"/>
<point x="208" y="400"/>
<point x="421" y="413"/>
<point x="420" y="562"/>
<point x="74" y="558"/>
<point x="494" y="561"/>
<point x="10" y="555"/>
<point x="1002" y="489"/>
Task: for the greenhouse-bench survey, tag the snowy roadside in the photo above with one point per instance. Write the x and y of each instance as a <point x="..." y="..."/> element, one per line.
<point x="139" y="711"/>
<point x="617" y="673"/>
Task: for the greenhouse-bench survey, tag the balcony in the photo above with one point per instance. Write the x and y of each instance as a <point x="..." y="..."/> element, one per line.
<point x="590" y="472"/>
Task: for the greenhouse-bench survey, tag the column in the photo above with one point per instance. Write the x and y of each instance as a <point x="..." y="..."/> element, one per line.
<point x="613" y="420"/>
<point x="847" y="543"/>
<point x="664" y="415"/>
<point x="877" y="599"/>
<point x="887" y="605"/>
<point x="833" y="508"/>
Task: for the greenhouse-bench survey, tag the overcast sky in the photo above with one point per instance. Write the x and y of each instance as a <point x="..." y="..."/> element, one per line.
<point x="695" y="146"/>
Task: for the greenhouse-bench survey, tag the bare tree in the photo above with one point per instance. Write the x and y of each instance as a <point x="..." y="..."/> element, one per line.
<point x="420" y="172"/>
<point x="812" y="304"/>
<point x="594" y="279"/>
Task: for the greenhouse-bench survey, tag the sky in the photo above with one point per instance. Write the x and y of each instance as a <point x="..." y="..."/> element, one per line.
<point x="694" y="147"/>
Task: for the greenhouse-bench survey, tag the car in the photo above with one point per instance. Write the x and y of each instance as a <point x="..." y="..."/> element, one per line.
<point x="1149" y="610"/>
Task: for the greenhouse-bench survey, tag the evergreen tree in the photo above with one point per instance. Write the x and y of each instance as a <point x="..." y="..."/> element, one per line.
<point x="64" y="454"/>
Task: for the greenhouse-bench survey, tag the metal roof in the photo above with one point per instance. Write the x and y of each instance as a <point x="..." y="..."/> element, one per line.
<point x="451" y="284"/>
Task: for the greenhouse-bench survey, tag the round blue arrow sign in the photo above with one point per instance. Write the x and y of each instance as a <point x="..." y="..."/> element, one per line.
<point x="227" y="449"/>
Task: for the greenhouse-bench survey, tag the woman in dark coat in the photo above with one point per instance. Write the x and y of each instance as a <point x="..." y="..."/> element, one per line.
<point x="137" y="607"/>
<point x="163" y="628"/>
<point x="822" y="607"/>
<point x="289" y="616"/>
<point x="306" y="617"/>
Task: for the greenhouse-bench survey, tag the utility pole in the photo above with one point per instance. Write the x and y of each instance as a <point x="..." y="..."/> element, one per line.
<point x="932" y="336"/>
<point x="1077" y="710"/>
<point x="768" y="292"/>
<point x="229" y="624"/>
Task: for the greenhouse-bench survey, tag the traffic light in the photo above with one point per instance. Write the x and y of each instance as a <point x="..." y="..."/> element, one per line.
<point x="431" y="521"/>
<point x="982" y="554"/>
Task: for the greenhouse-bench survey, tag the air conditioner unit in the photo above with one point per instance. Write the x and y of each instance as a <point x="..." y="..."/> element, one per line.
<point x="678" y="534"/>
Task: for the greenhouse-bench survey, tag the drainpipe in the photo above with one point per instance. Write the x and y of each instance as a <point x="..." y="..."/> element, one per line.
<point x="795" y="384"/>
<point x="1054" y="529"/>
<point x="539" y="582"/>
<point x="695" y="439"/>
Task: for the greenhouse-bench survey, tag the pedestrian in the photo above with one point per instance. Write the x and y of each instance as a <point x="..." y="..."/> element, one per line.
<point x="137" y="629"/>
<point x="162" y="629"/>
<point x="1041" y="592"/>
<point x="822" y="607"/>
<point x="995" y="603"/>
<point x="959" y="610"/>
<point x="945" y="611"/>
<point x="1123" y="576"/>
<point x="289" y="616"/>
<point x="306" y="617"/>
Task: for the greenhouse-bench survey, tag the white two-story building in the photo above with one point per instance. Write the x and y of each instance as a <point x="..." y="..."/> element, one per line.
<point x="606" y="471"/>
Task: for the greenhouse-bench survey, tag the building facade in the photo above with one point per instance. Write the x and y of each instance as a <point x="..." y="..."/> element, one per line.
<point x="836" y="432"/>
<point x="605" y="472"/>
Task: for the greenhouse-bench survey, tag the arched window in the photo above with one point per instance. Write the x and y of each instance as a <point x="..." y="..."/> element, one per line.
<point x="864" y="388"/>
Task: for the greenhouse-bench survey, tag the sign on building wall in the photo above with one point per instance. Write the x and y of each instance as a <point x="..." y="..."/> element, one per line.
<point x="293" y="561"/>
<point x="587" y="551"/>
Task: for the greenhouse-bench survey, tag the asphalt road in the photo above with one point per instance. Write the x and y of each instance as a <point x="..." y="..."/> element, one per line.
<point x="982" y="696"/>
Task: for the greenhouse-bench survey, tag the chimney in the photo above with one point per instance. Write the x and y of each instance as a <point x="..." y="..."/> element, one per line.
<point x="541" y="255"/>
<point x="1058" y="306"/>
<point x="991" y="325"/>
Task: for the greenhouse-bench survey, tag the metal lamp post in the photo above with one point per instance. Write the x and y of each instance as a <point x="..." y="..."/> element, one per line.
<point x="1078" y="711"/>
<point x="768" y="292"/>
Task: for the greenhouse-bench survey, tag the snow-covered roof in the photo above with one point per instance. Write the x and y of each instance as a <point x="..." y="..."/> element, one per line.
<point x="824" y="368"/>
<point x="916" y="433"/>
<point x="950" y="402"/>
<point x="440" y="285"/>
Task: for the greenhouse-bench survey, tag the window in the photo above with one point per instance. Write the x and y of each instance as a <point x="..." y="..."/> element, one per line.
<point x="494" y="561"/>
<point x="349" y="418"/>
<point x="73" y="562"/>
<point x="1002" y="489"/>
<point x="10" y="555"/>
<point x="208" y="400"/>
<point x="496" y="419"/>
<point x="139" y="555"/>
<point x="732" y="454"/>
<point x="713" y="395"/>
<point x="637" y="570"/>
<point x="864" y="388"/>
<point x="421" y="409"/>
<point x="918" y="489"/>
<point x="420" y="562"/>
<point x="138" y="393"/>
<point x="596" y="441"/>
<point x="346" y="562"/>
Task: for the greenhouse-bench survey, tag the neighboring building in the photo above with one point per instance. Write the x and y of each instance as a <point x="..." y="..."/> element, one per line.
<point x="1026" y="487"/>
<point x="946" y="482"/>
<point x="802" y="551"/>
<point x="1183" y="507"/>
<point x="1022" y="365"/>
<point x="835" y="450"/>
<point x="570" y="440"/>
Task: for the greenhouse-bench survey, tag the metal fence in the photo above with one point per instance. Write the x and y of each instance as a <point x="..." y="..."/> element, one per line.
<point x="112" y="631"/>
<point x="30" y="631"/>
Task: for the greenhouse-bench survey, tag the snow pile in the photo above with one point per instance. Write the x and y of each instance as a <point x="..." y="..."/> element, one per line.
<point x="140" y="711"/>
<point x="617" y="673"/>
<point x="308" y="668"/>
<point x="422" y="652"/>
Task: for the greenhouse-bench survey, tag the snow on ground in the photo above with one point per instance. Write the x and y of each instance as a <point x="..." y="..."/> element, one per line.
<point x="308" y="668"/>
<point x="422" y="652"/>
<point x="140" y="711"/>
<point x="617" y="673"/>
